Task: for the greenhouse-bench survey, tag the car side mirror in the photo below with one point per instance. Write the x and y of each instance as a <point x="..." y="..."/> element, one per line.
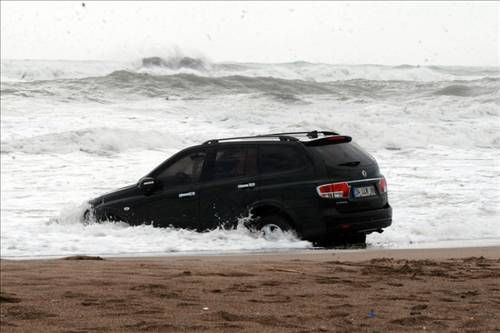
<point x="147" y="185"/>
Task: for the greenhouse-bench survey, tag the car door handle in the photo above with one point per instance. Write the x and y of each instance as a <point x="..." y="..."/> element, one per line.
<point x="248" y="185"/>
<point x="187" y="194"/>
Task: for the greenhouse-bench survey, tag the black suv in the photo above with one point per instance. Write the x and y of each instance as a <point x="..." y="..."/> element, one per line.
<point x="319" y="184"/>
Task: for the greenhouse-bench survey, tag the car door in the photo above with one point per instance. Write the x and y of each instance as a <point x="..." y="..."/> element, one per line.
<point x="230" y="186"/>
<point x="174" y="201"/>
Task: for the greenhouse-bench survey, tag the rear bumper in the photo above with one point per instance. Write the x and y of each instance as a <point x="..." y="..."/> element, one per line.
<point x="364" y="221"/>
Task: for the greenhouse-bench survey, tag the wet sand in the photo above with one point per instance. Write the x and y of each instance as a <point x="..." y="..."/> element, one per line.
<point x="309" y="291"/>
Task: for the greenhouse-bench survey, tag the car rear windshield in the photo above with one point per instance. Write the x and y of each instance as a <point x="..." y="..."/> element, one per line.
<point x="343" y="154"/>
<point x="280" y="158"/>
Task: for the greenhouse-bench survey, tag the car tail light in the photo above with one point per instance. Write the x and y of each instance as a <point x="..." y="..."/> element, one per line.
<point x="329" y="140"/>
<point x="338" y="138"/>
<point x="334" y="191"/>
<point x="382" y="185"/>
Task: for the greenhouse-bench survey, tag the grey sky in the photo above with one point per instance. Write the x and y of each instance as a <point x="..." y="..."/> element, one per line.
<point x="382" y="33"/>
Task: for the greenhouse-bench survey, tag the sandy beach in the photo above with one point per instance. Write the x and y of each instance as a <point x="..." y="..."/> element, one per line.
<point x="308" y="291"/>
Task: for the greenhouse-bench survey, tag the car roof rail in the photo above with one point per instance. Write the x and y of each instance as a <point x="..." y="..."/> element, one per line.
<point x="288" y="136"/>
<point x="265" y="136"/>
<point x="309" y="134"/>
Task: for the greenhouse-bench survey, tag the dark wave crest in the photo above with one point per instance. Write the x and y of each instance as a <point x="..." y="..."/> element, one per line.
<point x="464" y="91"/>
<point x="176" y="63"/>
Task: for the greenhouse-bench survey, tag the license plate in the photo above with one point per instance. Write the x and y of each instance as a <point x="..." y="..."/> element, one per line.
<point x="365" y="191"/>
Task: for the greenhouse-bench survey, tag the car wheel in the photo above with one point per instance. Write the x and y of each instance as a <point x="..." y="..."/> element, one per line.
<point x="272" y="226"/>
<point x="357" y="238"/>
<point x="86" y="217"/>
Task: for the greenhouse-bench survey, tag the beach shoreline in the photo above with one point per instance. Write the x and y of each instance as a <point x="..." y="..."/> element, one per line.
<point x="451" y="289"/>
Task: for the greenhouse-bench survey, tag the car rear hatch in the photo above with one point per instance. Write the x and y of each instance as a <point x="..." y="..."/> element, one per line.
<point x="353" y="182"/>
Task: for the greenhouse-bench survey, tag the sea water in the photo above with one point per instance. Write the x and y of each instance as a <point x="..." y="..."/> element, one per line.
<point x="72" y="130"/>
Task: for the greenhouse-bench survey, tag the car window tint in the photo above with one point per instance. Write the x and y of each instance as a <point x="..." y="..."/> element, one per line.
<point x="341" y="154"/>
<point x="235" y="162"/>
<point x="278" y="158"/>
<point x="186" y="170"/>
<point x="251" y="162"/>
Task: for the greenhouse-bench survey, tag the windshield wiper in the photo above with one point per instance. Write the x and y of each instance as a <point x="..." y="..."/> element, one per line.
<point x="350" y="164"/>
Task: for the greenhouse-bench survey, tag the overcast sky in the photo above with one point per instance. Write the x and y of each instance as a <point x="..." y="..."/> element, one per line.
<point x="348" y="33"/>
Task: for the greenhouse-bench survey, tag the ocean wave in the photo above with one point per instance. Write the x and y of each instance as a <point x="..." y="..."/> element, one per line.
<point x="465" y="91"/>
<point x="176" y="63"/>
<point x="36" y="70"/>
<point x="124" y="84"/>
<point x="284" y="98"/>
<point x="99" y="141"/>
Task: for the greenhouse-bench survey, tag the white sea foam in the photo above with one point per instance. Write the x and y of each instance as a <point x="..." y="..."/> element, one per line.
<point x="101" y="140"/>
<point x="118" y="238"/>
<point x="436" y="142"/>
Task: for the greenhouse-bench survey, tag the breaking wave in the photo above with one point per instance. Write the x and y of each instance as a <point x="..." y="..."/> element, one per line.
<point x="37" y="70"/>
<point x="99" y="141"/>
<point x="465" y="91"/>
<point x="124" y="84"/>
<point x="176" y="63"/>
<point x="189" y="77"/>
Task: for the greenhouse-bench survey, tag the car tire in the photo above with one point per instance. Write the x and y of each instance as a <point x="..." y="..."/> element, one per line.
<point x="87" y="216"/>
<point x="356" y="238"/>
<point x="270" y="224"/>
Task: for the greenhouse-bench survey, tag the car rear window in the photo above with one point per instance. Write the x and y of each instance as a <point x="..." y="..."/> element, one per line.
<point x="343" y="154"/>
<point x="279" y="158"/>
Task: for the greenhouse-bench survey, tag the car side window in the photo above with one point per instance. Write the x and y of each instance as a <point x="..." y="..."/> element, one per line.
<point x="184" y="171"/>
<point x="280" y="158"/>
<point x="235" y="162"/>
